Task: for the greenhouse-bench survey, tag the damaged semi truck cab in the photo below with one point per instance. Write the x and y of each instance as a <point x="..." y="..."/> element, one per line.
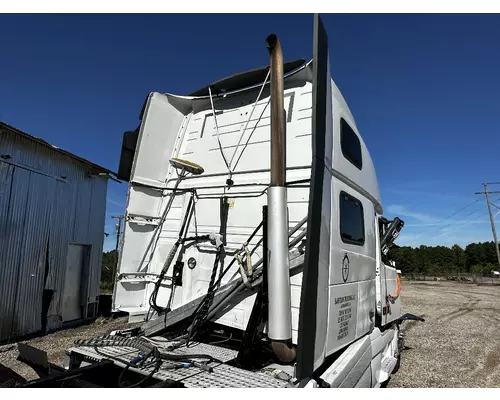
<point x="225" y="128"/>
<point x="254" y="229"/>
<point x="183" y="128"/>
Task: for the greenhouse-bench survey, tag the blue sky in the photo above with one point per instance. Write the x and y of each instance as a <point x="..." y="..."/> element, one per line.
<point x="424" y="90"/>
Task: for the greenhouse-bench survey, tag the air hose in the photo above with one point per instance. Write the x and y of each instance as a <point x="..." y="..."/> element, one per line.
<point x="141" y="345"/>
<point x="146" y="350"/>
<point x="166" y="265"/>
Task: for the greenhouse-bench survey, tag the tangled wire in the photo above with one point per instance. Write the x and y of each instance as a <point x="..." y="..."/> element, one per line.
<point x="146" y="351"/>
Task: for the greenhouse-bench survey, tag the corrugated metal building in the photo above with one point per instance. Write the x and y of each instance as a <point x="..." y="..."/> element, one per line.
<point x="52" y="214"/>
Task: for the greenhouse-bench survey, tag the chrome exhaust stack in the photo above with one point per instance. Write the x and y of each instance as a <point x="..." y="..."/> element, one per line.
<point x="280" y="314"/>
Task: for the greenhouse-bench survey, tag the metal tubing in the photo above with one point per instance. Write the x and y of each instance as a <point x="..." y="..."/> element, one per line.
<point x="299" y="237"/>
<point x="278" y="145"/>
<point x="265" y="260"/>
<point x="298" y="226"/>
<point x="238" y="283"/>
<point x="280" y="313"/>
<point x="239" y="286"/>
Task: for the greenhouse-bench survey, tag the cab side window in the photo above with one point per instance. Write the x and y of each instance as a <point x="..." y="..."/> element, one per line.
<point x="352" y="221"/>
<point x="350" y="144"/>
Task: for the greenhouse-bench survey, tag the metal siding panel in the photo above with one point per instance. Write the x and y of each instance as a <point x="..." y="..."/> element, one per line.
<point x="83" y="207"/>
<point x="75" y="264"/>
<point x="28" y="307"/>
<point x="89" y="230"/>
<point x="28" y="140"/>
<point x="61" y="229"/>
<point x="6" y="179"/>
<point x="10" y="258"/>
<point x="78" y="212"/>
<point x="96" y="234"/>
<point x="81" y="233"/>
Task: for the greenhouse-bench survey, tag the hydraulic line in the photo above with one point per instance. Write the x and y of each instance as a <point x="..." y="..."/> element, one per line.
<point x="257" y="270"/>
<point x="164" y="215"/>
<point x="219" y="279"/>
<point x="152" y="300"/>
<point x="140" y="345"/>
<point x="201" y="312"/>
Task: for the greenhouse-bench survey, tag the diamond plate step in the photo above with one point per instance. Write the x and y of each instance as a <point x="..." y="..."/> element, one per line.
<point x="223" y="376"/>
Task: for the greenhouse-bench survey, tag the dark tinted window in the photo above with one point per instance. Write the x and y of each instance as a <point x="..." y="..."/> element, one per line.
<point x="352" y="222"/>
<point x="351" y="147"/>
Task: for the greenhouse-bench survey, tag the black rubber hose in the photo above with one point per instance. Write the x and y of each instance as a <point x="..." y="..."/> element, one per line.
<point x="166" y="265"/>
<point x="219" y="279"/>
<point x="150" y="350"/>
<point x="149" y="376"/>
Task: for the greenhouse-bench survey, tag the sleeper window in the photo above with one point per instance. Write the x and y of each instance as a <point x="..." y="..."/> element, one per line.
<point x="351" y="146"/>
<point x="352" y="222"/>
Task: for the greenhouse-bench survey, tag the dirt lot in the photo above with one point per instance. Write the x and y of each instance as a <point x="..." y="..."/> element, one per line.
<point x="458" y="345"/>
<point x="56" y="343"/>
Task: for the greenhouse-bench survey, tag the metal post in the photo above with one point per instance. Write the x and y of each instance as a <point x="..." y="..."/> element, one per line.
<point x="265" y="259"/>
<point x="492" y="220"/>
<point x="280" y="313"/>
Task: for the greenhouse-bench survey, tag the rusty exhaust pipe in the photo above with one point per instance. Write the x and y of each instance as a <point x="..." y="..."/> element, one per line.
<point x="280" y="313"/>
<point x="278" y="138"/>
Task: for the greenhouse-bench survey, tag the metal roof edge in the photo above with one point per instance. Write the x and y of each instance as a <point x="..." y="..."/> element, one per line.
<point x="55" y="148"/>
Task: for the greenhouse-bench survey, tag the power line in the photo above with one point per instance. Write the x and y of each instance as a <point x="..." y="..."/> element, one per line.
<point x="448" y="217"/>
<point x="452" y="215"/>
<point x="459" y="226"/>
<point x="460" y="219"/>
<point x="441" y="229"/>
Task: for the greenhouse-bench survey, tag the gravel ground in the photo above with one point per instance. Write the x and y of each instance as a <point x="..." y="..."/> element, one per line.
<point x="458" y="344"/>
<point x="55" y="344"/>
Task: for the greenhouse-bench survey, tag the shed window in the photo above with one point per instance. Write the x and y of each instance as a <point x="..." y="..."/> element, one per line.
<point x="352" y="222"/>
<point x="351" y="146"/>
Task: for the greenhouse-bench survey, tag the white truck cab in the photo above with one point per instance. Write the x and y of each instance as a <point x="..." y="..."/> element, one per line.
<point x="283" y="276"/>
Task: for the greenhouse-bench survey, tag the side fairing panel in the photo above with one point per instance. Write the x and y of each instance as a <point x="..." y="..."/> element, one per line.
<point x="314" y="295"/>
<point x="163" y="123"/>
<point x="351" y="367"/>
<point x="338" y="297"/>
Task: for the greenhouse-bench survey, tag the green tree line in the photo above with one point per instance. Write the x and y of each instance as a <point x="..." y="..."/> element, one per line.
<point x="427" y="260"/>
<point x="442" y="260"/>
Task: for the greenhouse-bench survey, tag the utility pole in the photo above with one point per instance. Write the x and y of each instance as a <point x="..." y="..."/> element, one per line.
<point x="492" y="218"/>
<point x="118" y="229"/>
